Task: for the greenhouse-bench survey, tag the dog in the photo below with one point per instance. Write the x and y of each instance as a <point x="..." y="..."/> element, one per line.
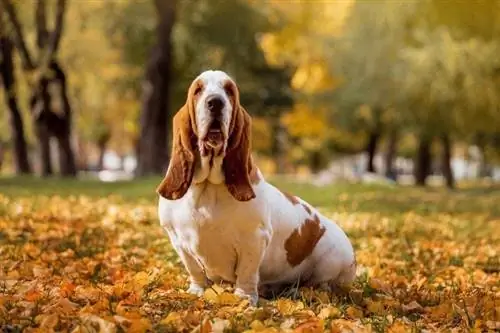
<point x="225" y="221"/>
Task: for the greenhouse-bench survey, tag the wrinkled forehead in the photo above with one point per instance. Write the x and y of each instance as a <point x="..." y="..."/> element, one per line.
<point x="214" y="79"/>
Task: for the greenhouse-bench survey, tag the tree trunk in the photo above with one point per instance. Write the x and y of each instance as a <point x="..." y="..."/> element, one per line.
<point x="371" y="150"/>
<point x="67" y="164"/>
<point x="423" y="161"/>
<point x="39" y="102"/>
<point x="45" y="156"/>
<point x="22" y="165"/>
<point x="152" y="148"/>
<point x="390" y="155"/>
<point x="101" y="146"/>
<point x="63" y="133"/>
<point x="446" y="161"/>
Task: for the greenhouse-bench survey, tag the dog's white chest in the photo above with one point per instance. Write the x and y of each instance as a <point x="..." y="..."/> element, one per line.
<point x="210" y="226"/>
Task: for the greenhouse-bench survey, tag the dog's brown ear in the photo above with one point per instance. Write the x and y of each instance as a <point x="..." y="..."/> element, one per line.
<point x="181" y="168"/>
<point x="237" y="162"/>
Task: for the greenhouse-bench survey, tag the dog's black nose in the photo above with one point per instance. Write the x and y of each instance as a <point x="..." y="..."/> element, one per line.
<point x="215" y="104"/>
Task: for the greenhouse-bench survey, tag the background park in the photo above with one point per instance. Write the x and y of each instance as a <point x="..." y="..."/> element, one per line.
<point x="383" y="114"/>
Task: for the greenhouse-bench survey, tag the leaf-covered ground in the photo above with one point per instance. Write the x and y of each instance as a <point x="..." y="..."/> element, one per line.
<point x="86" y="261"/>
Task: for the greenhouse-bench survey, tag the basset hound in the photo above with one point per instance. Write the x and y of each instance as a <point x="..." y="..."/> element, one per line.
<point x="225" y="221"/>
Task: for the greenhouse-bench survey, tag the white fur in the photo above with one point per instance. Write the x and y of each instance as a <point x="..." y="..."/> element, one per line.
<point x="213" y="84"/>
<point x="220" y="238"/>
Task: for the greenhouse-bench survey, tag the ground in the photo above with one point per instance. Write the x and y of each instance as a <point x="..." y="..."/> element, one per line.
<point x="82" y="256"/>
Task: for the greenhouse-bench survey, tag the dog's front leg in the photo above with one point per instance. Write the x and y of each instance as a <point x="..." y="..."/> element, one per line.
<point x="197" y="277"/>
<point x="247" y="271"/>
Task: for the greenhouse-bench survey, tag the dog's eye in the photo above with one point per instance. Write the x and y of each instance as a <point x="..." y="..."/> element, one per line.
<point x="229" y="90"/>
<point x="197" y="91"/>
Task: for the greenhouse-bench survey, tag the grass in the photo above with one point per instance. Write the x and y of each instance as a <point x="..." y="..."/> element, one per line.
<point x="78" y="255"/>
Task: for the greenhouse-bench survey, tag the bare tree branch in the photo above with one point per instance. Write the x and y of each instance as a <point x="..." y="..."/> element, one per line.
<point x="41" y="24"/>
<point x="18" y="39"/>
<point x="55" y="36"/>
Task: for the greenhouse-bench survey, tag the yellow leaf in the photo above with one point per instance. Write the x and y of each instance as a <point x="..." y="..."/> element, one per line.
<point x="286" y="307"/>
<point x="257" y="325"/>
<point x="228" y="299"/>
<point x="375" y="307"/>
<point x="171" y="318"/>
<point x="141" y="279"/>
<point x="354" y="312"/>
<point x="399" y="327"/>
<point x="210" y="295"/>
<point x="329" y="312"/>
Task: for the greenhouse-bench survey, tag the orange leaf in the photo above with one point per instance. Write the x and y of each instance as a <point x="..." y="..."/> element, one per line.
<point x="354" y="313"/>
<point x="32" y="296"/>
<point x="310" y="327"/>
<point x="139" y="326"/>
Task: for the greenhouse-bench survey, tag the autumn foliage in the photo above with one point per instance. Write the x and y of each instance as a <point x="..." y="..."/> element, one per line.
<point x="82" y="264"/>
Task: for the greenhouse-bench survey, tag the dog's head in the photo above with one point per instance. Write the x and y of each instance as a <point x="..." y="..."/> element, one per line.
<point x="212" y="121"/>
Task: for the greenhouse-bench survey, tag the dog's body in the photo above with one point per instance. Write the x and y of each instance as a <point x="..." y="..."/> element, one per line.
<point x="228" y="224"/>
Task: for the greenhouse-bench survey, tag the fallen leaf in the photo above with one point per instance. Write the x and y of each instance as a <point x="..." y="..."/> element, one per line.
<point x="226" y="298"/>
<point x="354" y="312"/>
<point x="329" y="312"/>
<point x="287" y="307"/>
<point x="90" y="322"/>
<point x="140" y="325"/>
<point x="375" y="307"/>
<point x="310" y="327"/>
<point x="411" y="307"/>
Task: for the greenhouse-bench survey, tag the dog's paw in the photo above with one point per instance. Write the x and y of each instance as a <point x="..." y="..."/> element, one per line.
<point x="252" y="298"/>
<point x="196" y="289"/>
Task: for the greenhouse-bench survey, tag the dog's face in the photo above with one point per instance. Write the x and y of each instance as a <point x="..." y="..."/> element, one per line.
<point x="214" y="98"/>
<point x="212" y="122"/>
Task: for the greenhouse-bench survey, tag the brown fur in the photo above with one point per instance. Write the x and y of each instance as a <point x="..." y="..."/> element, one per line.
<point x="307" y="208"/>
<point x="301" y="243"/>
<point x="293" y="199"/>
<point x="181" y="167"/>
<point x="237" y="163"/>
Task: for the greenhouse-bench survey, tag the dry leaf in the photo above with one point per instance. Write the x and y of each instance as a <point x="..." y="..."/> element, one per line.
<point x="413" y="306"/>
<point x="310" y="327"/>
<point x="89" y="322"/>
<point x="329" y="312"/>
<point x="287" y="307"/>
<point x="375" y="307"/>
<point x="354" y="312"/>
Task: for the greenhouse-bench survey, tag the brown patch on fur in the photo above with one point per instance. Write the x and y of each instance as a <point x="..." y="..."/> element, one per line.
<point x="237" y="162"/>
<point x="293" y="199"/>
<point x="307" y="208"/>
<point x="181" y="167"/>
<point x="301" y="243"/>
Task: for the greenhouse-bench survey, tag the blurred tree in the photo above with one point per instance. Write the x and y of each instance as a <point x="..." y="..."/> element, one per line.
<point x="152" y="152"/>
<point x="202" y="40"/>
<point x="452" y="87"/>
<point x="8" y="78"/>
<point x="302" y="41"/>
<point x="49" y="101"/>
<point x="364" y="60"/>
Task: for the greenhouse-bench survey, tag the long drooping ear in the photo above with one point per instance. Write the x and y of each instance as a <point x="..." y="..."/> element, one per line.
<point x="237" y="162"/>
<point x="181" y="168"/>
